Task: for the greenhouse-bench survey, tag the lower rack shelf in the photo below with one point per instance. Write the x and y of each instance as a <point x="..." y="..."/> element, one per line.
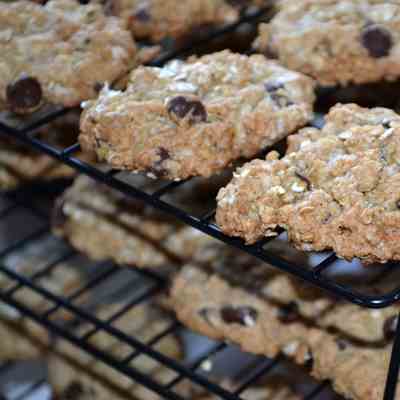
<point x="62" y="313"/>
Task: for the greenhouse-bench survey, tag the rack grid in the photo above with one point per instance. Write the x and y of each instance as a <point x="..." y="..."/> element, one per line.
<point x="25" y="130"/>
<point x="16" y="202"/>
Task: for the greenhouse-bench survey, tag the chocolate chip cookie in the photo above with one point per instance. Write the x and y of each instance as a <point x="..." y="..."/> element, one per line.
<point x="227" y="309"/>
<point x="105" y="224"/>
<point x="336" y="188"/>
<point x="295" y="300"/>
<point x="59" y="53"/>
<point x="195" y="117"/>
<point x="153" y="19"/>
<point x="95" y="379"/>
<point x="335" y="42"/>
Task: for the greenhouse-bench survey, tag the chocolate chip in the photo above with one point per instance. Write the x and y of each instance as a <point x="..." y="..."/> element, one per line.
<point x="398" y="204"/>
<point x="377" y="40"/>
<point x="389" y="327"/>
<point x="343" y="229"/>
<point x="342" y="344"/>
<point x="84" y="1"/>
<point x="289" y="312"/>
<point x="181" y="107"/>
<point x="24" y="95"/>
<point x="164" y="154"/>
<point x="304" y="179"/>
<point x="158" y="172"/>
<point x="98" y="86"/>
<point x="278" y="98"/>
<point x="386" y="124"/>
<point x="309" y="361"/>
<point x="272" y="87"/>
<point x="207" y="314"/>
<point x="142" y="15"/>
<point x="270" y="53"/>
<point x="242" y="315"/>
<point x="73" y="391"/>
<point x="157" y="168"/>
<point x="58" y="217"/>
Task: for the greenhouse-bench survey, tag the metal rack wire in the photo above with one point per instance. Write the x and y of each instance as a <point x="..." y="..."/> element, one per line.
<point x="25" y="130"/>
<point x="14" y="204"/>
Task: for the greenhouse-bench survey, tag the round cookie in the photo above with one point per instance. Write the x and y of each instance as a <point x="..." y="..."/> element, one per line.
<point x="336" y="42"/>
<point x="60" y="53"/>
<point x="336" y="188"/>
<point x="196" y="117"/>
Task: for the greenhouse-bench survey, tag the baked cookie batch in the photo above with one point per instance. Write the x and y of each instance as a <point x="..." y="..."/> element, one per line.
<point x="334" y="187"/>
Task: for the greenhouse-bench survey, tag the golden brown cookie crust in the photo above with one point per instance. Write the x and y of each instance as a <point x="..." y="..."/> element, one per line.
<point x="336" y="188"/>
<point x="68" y="48"/>
<point x="335" y="42"/>
<point x="195" y="117"/>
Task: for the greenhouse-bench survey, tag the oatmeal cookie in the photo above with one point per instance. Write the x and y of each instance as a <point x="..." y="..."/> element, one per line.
<point x="143" y="322"/>
<point x="335" y="42"/>
<point x="195" y="117"/>
<point x="105" y="224"/>
<point x="209" y="304"/>
<point x="295" y="300"/>
<point x="336" y="188"/>
<point x="153" y="19"/>
<point x="59" y="53"/>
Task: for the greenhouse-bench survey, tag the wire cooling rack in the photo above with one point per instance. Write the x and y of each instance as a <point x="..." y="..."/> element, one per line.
<point x="368" y="293"/>
<point x="19" y="205"/>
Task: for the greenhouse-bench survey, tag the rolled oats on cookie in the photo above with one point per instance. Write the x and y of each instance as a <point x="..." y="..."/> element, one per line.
<point x="59" y="53"/>
<point x="196" y="117"/>
<point x="336" y="42"/>
<point x="336" y="188"/>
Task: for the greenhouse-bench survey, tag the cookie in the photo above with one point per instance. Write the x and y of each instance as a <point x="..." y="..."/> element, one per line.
<point x="209" y="304"/>
<point x="59" y="53"/>
<point x="106" y="224"/>
<point x="196" y="117"/>
<point x="142" y="322"/>
<point x="294" y="298"/>
<point x="336" y="188"/>
<point x="335" y="42"/>
<point x="20" y="165"/>
<point x="153" y="19"/>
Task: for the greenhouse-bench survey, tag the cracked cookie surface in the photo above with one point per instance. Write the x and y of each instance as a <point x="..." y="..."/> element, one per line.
<point x="336" y="42"/>
<point x="336" y="188"/>
<point x="59" y="53"/>
<point x="195" y="117"/>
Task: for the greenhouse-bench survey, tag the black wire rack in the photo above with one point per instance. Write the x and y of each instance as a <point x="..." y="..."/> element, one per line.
<point x="368" y="294"/>
<point x="152" y="284"/>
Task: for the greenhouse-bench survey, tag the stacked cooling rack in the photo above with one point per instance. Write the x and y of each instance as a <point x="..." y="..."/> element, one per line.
<point x="33" y="204"/>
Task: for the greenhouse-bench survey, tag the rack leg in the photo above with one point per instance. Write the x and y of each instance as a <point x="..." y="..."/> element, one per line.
<point x="393" y="374"/>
